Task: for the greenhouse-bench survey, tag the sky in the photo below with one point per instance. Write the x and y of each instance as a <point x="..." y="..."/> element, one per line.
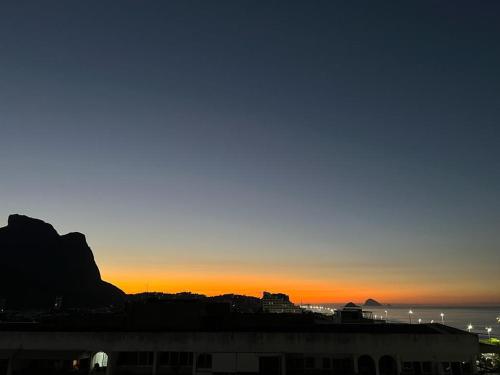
<point x="333" y="151"/>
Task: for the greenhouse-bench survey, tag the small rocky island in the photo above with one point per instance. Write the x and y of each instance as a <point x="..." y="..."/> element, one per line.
<point x="373" y="303"/>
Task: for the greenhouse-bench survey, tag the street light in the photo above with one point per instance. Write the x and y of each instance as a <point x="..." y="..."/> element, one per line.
<point x="409" y="314"/>
<point x="469" y="327"/>
<point x="386" y="315"/>
<point x="442" y="318"/>
<point x="488" y="329"/>
<point x="432" y="321"/>
<point x="419" y="320"/>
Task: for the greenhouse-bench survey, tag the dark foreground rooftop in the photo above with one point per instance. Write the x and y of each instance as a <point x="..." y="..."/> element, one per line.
<point x="233" y="322"/>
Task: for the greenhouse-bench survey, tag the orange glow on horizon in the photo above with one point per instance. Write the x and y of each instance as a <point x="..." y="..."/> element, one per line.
<point x="300" y="289"/>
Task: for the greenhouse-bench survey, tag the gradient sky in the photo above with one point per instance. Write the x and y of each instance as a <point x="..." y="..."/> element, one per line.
<point x="333" y="151"/>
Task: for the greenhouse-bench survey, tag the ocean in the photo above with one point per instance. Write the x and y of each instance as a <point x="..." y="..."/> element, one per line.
<point x="459" y="317"/>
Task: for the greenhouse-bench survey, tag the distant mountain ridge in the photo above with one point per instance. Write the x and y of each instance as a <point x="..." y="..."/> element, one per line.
<point x="238" y="303"/>
<point x="37" y="265"/>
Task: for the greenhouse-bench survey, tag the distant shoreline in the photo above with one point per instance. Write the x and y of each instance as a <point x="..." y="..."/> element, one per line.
<point x="415" y="305"/>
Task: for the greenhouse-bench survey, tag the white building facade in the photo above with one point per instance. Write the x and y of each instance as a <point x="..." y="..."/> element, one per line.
<point x="339" y="349"/>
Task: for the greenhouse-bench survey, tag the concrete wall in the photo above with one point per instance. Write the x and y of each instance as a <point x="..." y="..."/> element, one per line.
<point x="406" y="346"/>
<point x="240" y="351"/>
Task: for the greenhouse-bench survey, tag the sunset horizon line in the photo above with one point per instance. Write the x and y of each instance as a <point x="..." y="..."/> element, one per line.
<point x="383" y="303"/>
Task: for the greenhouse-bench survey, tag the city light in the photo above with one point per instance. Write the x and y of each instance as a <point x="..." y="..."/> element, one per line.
<point x="385" y="311"/>
<point x="442" y="318"/>
<point x="432" y="320"/>
<point x="489" y="329"/>
<point x="409" y="314"/>
<point x="419" y="320"/>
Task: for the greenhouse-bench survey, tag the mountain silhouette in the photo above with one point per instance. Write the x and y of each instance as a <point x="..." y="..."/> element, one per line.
<point x="37" y="265"/>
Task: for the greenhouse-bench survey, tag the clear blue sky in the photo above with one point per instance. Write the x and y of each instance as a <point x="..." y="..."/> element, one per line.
<point x="324" y="149"/>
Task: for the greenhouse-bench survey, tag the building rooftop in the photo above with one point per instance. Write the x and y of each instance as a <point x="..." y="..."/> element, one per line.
<point x="232" y="322"/>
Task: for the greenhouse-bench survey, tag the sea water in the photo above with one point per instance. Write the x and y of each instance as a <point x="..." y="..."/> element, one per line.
<point x="479" y="317"/>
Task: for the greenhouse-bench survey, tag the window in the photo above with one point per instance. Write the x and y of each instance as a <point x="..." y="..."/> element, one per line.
<point x="446" y="367"/>
<point x="127" y="359"/>
<point x="309" y="362"/>
<point x="185" y="358"/>
<point x="294" y="362"/>
<point x="164" y="358"/>
<point x="407" y="368"/>
<point x="343" y="366"/>
<point x="101" y="359"/>
<point x="175" y="359"/>
<point x="416" y="368"/>
<point x="456" y="368"/>
<point x="204" y="360"/>
<point x="135" y="359"/>
<point x="427" y="367"/>
<point x="270" y="365"/>
<point x="387" y="365"/>
<point x="145" y="358"/>
<point x="326" y="362"/>
<point x="467" y="368"/>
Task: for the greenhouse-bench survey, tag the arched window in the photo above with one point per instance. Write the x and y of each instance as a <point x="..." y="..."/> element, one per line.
<point x="99" y="361"/>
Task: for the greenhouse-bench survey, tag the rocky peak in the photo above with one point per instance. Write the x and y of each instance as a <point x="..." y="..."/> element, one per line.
<point x="26" y="224"/>
<point x="39" y="265"/>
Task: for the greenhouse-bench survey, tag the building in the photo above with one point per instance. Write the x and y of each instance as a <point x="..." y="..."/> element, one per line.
<point x="278" y="303"/>
<point x="352" y="313"/>
<point x="210" y="341"/>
